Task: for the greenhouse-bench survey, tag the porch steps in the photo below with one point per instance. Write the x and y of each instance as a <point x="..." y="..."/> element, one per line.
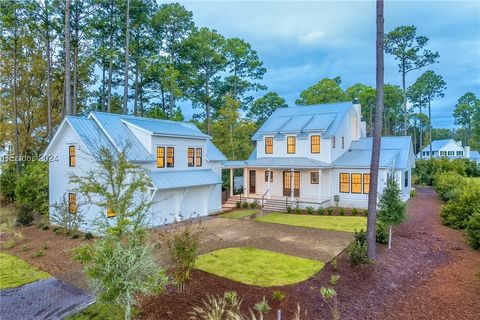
<point x="274" y="205"/>
<point x="231" y="203"/>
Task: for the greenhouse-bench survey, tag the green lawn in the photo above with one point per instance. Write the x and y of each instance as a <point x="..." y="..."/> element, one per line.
<point x="98" y="311"/>
<point x="238" y="214"/>
<point x="337" y="223"/>
<point x="258" y="267"/>
<point x="15" y="272"/>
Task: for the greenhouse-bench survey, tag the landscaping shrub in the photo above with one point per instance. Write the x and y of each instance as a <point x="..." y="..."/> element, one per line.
<point x="473" y="230"/>
<point x="289" y="209"/>
<point x="321" y="211"/>
<point x="88" y="236"/>
<point x="183" y="243"/>
<point x="31" y="190"/>
<point x="456" y="213"/>
<point x="45" y="227"/>
<point x="25" y="248"/>
<point x="8" y="180"/>
<point x="262" y="307"/>
<point x="341" y="211"/>
<point x="329" y="296"/>
<point x="238" y="204"/>
<point x="354" y="211"/>
<point x="309" y="210"/>
<point x="245" y="204"/>
<point x="278" y="295"/>
<point x="365" y="212"/>
<point x="330" y="211"/>
<point x="426" y="170"/>
<point x="74" y="235"/>
<point x="413" y="193"/>
<point x="9" y="244"/>
<point x="357" y="249"/>
<point x="38" y="254"/>
<point x="336" y="198"/>
<point x="381" y="233"/>
<point x="45" y="245"/>
<point x="298" y="210"/>
<point x="334" y="264"/>
<point x="447" y="183"/>
<point x="25" y="216"/>
<point x="254" y="204"/>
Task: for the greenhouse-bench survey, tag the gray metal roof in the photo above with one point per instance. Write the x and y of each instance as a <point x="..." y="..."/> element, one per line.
<point x="166" y="179"/>
<point x="165" y="127"/>
<point x="90" y="133"/>
<point x="362" y="159"/>
<point x="323" y="118"/>
<point x="213" y="154"/>
<point x="438" y="144"/>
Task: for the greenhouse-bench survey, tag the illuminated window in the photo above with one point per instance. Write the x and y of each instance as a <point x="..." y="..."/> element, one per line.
<point x="344" y="182"/>
<point x="269" y="145"/>
<point x="110" y="213"/>
<point x="191" y="157"/>
<point x="366" y="182"/>
<point x="170" y="157"/>
<point x="343" y="142"/>
<point x="314" y="177"/>
<point x="266" y="176"/>
<point x="291" y="144"/>
<point x="72" y="203"/>
<point x="333" y="142"/>
<point x="198" y="161"/>
<point x="315" y="144"/>
<point x="160" y="157"/>
<point x="71" y="156"/>
<point x="356" y="183"/>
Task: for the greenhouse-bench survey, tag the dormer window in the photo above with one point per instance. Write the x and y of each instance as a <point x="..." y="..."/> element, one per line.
<point x="191" y="157"/>
<point x="198" y="161"/>
<point x="268" y="145"/>
<point x="170" y="157"/>
<point x="315" y="144"/>
<point x="160" y="157"/>
<point x="71" y="156"/>
<point x="291" y="144"/>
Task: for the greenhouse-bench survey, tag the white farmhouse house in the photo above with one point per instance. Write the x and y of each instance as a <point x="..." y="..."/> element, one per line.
<point x="448" y="148"/>
<point x="312" y="155"/>
<point x="182" y="163"/>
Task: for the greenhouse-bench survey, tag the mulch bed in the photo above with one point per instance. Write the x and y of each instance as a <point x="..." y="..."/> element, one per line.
<point x="428" y="274"/>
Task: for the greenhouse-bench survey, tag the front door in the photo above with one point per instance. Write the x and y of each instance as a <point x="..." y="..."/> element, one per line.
<point x="287" y="183"/>
<point x="252" y="181"/>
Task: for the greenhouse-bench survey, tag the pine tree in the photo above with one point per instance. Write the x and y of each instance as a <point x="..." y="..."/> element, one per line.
<point x="391" y="208"/>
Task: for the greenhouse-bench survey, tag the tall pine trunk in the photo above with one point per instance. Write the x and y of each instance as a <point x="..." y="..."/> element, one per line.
<point x="49" y="75"/>
<point x="405" y="118"/>
<point x="421" y="135"/>
<point x="15" y="75"/>
<point x="110" y="62"/>
<point x="68" y="97"/>
<point x="127" y="38"/>
<point x="372" y="196"/>
<point x="430" y="126"/>
<point x="75" y="59"/>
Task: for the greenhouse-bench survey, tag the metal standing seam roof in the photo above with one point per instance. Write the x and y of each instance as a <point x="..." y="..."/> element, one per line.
<point x="213" y="154"/>
<point x="323" y="118"/>
<point x="90" y="134"/>
<point x="121" y="136"/>
<point x="165" y="127"/>
<point x="362" y="159"/>
<point x="165" y="180"/>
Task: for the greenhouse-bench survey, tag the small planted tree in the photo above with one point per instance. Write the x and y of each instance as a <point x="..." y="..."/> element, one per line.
<point x="391" y="208"/>
<point x="69" y="217"/>
<point x="121" y="265"/>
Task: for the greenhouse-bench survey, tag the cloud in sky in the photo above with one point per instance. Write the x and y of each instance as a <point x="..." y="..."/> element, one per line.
<point x="302" y="42"/>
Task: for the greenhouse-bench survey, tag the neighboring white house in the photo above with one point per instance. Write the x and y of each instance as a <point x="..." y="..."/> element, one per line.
<point x="182" y="163"/>
<point x="313" y="154"/>
<point x="447" y="148"/>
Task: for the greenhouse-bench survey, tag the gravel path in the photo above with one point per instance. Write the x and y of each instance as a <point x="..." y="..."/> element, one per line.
<point x="45" y="299"/>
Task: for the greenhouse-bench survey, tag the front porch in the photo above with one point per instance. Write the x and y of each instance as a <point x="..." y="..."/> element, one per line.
<point x="280" y="187"/>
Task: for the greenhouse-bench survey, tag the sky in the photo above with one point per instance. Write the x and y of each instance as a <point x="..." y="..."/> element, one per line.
<point x="303" y="42"/>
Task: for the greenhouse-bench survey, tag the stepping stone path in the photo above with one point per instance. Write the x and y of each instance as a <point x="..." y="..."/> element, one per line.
<point x="45" y="299"/>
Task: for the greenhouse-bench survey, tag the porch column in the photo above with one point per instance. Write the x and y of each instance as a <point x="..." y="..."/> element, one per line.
<point x="231" y="182"/>
<point x="319" y="185"/>
<point x="268" y="182"/>
<point x="292" y="177"/>
<point x="245" y="181"/>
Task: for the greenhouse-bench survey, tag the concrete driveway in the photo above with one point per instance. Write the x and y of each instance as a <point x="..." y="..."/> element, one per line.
<point x="322" y="245"/>
<point x="45" y="299"/>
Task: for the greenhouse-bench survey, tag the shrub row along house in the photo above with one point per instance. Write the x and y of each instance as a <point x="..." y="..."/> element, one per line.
<point x="318" y="156"/>
<point x="449" y="148"/>
<point x="182" y="163"/>
<point x="310" y="155"/>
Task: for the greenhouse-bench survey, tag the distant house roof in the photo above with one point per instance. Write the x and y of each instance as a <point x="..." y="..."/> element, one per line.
<point x="323" y="118"/>
<point x="474" y="155"/>
<point x="438" y="144"/>
<point x="213" y="154"/>
<point x="165" y="180"/>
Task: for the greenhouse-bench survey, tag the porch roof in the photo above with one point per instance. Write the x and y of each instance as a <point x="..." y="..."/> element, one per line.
<point x="164" y="180"/>
<point x="277" y="162"/>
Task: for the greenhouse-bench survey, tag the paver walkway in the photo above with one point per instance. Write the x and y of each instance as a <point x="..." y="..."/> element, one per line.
<point x="45" y="299"/>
